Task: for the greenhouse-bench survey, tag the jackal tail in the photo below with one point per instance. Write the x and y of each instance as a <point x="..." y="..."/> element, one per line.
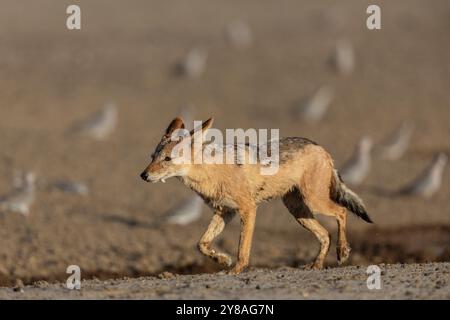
<point x="342" y="195"/>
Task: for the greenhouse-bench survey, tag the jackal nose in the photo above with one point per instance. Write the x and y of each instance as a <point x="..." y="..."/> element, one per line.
<point x="144" y="176"/>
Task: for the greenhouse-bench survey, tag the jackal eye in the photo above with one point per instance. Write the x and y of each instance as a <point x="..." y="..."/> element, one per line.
<point x="167" y="159"/>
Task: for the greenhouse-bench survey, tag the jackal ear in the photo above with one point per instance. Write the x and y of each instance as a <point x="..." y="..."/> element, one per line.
<point x="205" y="126"/>
<point x="176" y="123"/>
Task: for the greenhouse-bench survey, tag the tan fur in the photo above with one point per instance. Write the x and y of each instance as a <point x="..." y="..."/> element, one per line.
<point x="304" y="181"/>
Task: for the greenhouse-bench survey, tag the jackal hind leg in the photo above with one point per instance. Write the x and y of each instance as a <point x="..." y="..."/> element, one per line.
<point x="342" y="246"/>
<point x="216" y="226"/>
<point x="317" y="196"/>
<point x="330" y="208"/>
<point x="299" y="209"/>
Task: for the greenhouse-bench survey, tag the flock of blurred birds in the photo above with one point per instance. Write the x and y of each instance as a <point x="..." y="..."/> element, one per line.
<point x="101" y="124"/>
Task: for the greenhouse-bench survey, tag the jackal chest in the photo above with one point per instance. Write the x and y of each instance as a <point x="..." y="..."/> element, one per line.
<point x="222" y="203"/>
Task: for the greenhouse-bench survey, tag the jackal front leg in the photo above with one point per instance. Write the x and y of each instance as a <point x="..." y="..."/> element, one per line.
<point x="216" y="226"/>
<point x="248" y="216"/>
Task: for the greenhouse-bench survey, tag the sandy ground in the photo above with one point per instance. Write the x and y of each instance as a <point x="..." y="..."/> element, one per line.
<point x="125" y="53"/>
<point x="400" y="281"/>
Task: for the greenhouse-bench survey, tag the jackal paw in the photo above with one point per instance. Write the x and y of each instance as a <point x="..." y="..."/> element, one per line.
<point x="313" y="266"/>
<point x="343" y="253"/>
<point x="223" y="259"/>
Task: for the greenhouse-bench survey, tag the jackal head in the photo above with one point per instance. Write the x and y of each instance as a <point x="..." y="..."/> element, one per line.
<point x="165" y="160"/>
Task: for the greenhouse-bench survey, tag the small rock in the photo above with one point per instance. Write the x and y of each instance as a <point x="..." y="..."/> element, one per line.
<point x="166" y="275"/>
<point x="41" y="284"/>
<point x="18" y="287"/>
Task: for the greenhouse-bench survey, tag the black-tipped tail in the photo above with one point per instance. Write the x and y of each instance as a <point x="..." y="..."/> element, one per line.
<point x="347" y="198"/>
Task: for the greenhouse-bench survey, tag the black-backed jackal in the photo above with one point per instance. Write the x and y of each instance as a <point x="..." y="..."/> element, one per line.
<point x="306" y="181"/>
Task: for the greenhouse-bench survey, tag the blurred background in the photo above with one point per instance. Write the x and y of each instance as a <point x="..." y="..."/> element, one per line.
<point x="82" y="110"/>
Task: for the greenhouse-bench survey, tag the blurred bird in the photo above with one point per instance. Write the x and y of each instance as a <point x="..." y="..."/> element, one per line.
<point x="194" y="63"/>
<point x="20" y="200"/>
<point x="186" y="212"/>
<point x="396" y="144"/>
<point x="72" y="187"/>
<point x="343" y="58"/>
<point x="355" y="170"/>
<point x="239" y="34"/>
<point x="429" y="181"/>
<point x="18" y="179"/>
<point x="98" y="125"/>
<point x="315" y="107"/>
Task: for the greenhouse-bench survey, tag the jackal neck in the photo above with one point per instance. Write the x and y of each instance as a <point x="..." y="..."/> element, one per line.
<point x="200" y="180"/>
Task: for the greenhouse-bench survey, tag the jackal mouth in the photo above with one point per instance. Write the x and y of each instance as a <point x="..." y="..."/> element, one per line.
<point x="148" y="178"/>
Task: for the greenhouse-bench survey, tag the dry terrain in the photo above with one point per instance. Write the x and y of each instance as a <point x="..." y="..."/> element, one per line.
<point x="400" y="281"/>
<point x="125" y="53"/>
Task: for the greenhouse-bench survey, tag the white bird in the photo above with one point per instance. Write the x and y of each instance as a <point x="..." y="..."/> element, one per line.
<point x="98" y="125"/>
<point x="73" y="187"/>
<point x="21" y="198"/>
<point x="186" y="212"/>
<point x="356" y="169"/>
<point x="396" y="144"/>
<point x="343" y="58"/>
<point x="239" y="34"/>
<point x="429" y="181"/>
<point x="194" y="63"/>
<point x="18" y="179"/>
<point x="315" y="107"/>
